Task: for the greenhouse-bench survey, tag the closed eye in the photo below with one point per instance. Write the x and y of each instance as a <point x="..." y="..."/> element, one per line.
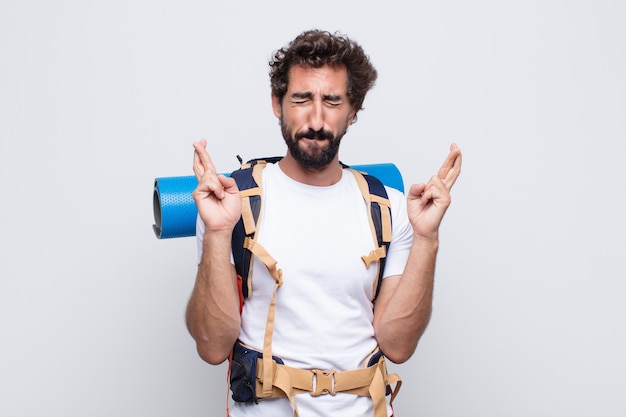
<point x="332" y="100"/>
<point x="301" y="98"/>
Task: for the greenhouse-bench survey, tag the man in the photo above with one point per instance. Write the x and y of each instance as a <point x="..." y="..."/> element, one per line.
<point x="314" y="224"/>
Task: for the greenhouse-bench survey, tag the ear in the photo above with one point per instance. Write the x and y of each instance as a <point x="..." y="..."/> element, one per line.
<point x="351" y="117"/>
<point x="276" y="106"/>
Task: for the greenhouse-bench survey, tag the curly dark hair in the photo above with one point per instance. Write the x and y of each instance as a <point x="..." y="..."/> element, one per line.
<point x="316" y="48"/>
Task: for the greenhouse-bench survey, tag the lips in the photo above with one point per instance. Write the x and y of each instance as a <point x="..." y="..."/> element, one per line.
<point x="316" y="138"/>
<point x="315" y="135"/>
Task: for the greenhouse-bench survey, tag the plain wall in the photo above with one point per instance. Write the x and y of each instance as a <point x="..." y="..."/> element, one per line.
<point x="98" y="98"/>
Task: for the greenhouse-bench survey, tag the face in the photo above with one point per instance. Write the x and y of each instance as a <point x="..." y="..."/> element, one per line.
<point x="314" y="114"/>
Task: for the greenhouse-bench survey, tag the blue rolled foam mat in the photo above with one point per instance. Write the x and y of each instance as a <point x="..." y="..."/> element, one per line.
<point x="175" y="211"/>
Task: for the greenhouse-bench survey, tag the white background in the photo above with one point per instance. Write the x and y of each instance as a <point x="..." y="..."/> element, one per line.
<point x="97" y="98"/>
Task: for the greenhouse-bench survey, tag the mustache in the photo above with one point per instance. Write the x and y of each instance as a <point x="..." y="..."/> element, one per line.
<point x="315" y="134"/>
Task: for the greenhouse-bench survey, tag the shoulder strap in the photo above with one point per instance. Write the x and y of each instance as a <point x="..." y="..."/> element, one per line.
<point x="248" y="179"/>
<point x="379" y="209"/>
<point x="249" y="176"/>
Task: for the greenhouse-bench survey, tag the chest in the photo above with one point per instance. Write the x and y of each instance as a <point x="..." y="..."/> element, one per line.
<point x="318" y="237"/>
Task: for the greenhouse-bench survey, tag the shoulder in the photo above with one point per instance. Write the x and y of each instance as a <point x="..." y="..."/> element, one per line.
<point x="399" y="213"/>
<point x="395" y="196"/>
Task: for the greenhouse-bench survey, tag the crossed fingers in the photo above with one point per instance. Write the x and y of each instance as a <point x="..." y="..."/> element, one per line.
<point x="439" y="186"/>
<point x="205" y="172"/>
<point x="451" y="167"/>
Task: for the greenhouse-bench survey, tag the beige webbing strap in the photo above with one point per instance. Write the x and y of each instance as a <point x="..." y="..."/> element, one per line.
<point x="385" y="212"/>
<point x="247" y="215"/>
<point x="394" y="379"/>
<point x="259" y="251"/>
<point x="256" y="172"/>
<point x="362" y="183"/>
<point x="246" y="211"/>
<point x="368" y="382"/>
<point x="282" y="383"/>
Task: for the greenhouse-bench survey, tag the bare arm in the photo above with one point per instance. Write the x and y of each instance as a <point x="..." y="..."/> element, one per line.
<point x="212" y="314"/>
<point x="404" y="304"/>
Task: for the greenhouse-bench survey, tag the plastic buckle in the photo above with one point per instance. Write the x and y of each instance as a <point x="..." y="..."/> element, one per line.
<point x="324" y="382"/>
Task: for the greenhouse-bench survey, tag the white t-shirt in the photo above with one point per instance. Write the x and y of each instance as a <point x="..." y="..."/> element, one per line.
<point x="324" y="312"/>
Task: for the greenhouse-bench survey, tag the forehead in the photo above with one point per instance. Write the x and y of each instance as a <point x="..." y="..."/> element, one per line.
<point x="325" y="79"/>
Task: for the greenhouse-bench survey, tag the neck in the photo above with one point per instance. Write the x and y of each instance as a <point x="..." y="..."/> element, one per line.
<point x="323" y="177"/>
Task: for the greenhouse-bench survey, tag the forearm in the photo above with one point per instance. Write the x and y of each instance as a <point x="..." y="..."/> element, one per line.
<point x="407" y="308"/>
<point x="213" y="317"/>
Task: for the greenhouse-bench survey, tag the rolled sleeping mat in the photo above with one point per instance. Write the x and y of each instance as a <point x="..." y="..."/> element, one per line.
<point x="175" y="211"/>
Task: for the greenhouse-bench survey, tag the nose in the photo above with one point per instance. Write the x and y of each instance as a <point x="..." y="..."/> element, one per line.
<point x="316" y="116"/>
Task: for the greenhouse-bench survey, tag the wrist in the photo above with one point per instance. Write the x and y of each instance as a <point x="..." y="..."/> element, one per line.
<point x="428" y="241"/>
<point x="216" y="241"/>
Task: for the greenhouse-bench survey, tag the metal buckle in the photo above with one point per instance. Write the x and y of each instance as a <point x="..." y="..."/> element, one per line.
<point x="324" y="382"/>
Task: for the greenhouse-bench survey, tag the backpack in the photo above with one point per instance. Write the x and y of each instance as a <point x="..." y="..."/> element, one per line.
<point x="249" y="384"/>
<point x="248" y="179"/>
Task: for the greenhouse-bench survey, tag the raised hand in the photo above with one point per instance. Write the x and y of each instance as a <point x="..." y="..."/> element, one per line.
<point x="427" y="203"/>
<point x="217" y="196"/>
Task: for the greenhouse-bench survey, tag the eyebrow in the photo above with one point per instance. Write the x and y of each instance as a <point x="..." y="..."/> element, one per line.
<point x="308" y="94"/>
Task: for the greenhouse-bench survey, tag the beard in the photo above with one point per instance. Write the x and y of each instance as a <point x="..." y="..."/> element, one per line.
<point x="317" y="156"/>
